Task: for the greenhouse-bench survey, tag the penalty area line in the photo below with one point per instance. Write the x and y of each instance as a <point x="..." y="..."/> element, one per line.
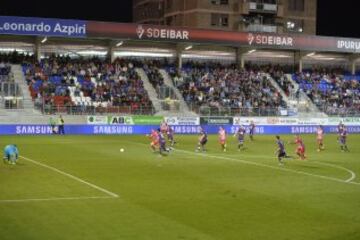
<point x="51" y="199"/>
<point x="71" y="176"/>
<point x="348" y="181"/>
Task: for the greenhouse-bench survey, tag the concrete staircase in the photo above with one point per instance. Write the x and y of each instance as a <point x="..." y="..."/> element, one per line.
<point x="303" y="105"/>
<point x="277" y="87"/>
<point x="306" y="108"/>
<point x="184" y="108"/>
<point x="150" y="90"/>
<point x="19" y="78"/>
<point x="26" y="114"/>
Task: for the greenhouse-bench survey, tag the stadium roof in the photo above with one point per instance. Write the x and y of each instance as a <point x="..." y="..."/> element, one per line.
<point x="78" y="29"/>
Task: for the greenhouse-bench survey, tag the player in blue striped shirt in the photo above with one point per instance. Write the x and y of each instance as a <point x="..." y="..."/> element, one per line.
<point x="281" y="153"/>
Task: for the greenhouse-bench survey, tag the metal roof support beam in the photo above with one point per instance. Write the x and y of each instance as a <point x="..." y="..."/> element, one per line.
<point x="352" y="59"/>
<point x="111" y="53"/>
<point x="240" y="56"/>
<point x="179" y="50"/>
<point x="298" y="59"/>
<point x="111" y="47"/>
<point x="37" y="51"/>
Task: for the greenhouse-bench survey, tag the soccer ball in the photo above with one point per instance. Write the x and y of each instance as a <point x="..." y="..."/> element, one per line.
<point x="121" y="150"/>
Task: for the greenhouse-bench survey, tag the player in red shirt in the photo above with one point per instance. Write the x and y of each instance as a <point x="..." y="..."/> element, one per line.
<point x="300" y="149"/>
<point x="154" y="137"/>
<point x="320" y="138"/>
<point x="222" y="138"/>
<point x="163" y="127"/>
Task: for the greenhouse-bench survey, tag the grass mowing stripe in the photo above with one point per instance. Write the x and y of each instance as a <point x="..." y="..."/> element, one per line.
<point x="50" y="199"/>
<point x="71" y="176"/>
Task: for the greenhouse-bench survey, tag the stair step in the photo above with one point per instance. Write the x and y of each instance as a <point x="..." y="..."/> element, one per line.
<point x="149" y="88"/>
<point x="184" y="109"/>
<point x="314" y="110"/>
<point x="27" y="104"/>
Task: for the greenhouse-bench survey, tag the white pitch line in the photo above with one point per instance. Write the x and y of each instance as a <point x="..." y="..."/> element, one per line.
<point x="353" y="175"/>
<point x="272" y="167"/>
<point x="349" y="181"/>
<point x="71" y="176"/>
<point x="50" y="199"/>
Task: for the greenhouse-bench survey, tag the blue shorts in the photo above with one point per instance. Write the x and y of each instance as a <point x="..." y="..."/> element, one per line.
<point x="10" y="156"/>
<point x="282" y="154"/>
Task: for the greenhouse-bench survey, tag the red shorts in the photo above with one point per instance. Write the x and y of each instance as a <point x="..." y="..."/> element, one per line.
<point x="222" y="142"/>
<point x="300" y="150"/>
<point x="154" y="143"/>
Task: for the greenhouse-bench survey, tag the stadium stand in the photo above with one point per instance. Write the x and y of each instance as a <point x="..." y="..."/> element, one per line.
<point x="87" y="86"/>
<point x="278" y="74"/>
<point x="226" y="89"/>
<point x="93" y="85"/>
<point x="4" y="71"/>
<point x="331" y="90"/>
<point x="151" y="68"/>
<point x="16" y="58"/>
<point x="8" y="97"/>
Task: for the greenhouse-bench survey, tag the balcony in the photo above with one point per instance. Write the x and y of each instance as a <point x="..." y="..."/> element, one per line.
<point x="263" y="7"/>
<point x="136" y="2"/>
<point x="261" y="28"/>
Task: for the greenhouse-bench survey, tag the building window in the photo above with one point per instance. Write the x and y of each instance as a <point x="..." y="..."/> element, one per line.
<point x="173" y="20"/>
<point x="169" y="21"/>
<point x="296" y="5"/>
<point x="264" y="1"/>
<point x="168" y="4"/>
<point x="219" y="20"/>
<point x="220" y="2"/>
<point x="294" y="25"/>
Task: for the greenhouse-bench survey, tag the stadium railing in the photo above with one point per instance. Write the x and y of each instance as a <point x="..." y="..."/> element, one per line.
<point x="341" y="111"/>
<point x="92" y="110"/>
<point x="10" y="94"/>
<point x="229" y="111"/>
<point x="168" y="105"/>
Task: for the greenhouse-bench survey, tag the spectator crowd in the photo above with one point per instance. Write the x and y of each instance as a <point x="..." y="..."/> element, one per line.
<point x="86" y="84"/>
<point x="226" y="87"/>
<point x="94" y="84"/>
<point x="331" y="91"/>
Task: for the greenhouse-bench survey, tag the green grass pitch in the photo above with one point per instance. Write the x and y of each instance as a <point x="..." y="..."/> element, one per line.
<point x="68" y="186"/>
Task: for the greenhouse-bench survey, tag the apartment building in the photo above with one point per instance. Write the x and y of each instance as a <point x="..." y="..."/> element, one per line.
<point x="279" y="16"/>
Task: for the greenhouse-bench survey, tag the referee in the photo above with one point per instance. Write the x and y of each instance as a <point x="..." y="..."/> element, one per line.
<point x="61" y="125"/>
<point x="52" y="124"/>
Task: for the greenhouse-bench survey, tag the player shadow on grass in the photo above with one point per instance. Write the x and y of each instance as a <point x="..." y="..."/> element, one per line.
<point x="17" y="164"/>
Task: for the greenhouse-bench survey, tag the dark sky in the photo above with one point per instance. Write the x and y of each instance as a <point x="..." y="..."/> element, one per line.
<point x="338" y="18"/>
<point x="333" y="19"/>
<point x="104" y="10"/>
